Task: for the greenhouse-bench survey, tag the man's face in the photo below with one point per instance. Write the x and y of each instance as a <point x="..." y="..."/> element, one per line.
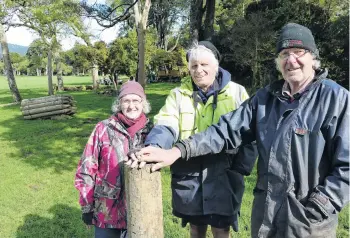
<point x="132" y="106"/>
<point x="203" y="71"/>
<point x="296" y="65"/>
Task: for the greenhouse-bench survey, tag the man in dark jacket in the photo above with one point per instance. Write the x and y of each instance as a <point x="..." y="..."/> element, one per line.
<point x="301" y="126"/>
<point x="207" y="191"/>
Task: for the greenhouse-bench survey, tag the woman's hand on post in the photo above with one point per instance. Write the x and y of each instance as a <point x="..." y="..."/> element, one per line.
<point x="132" y="161"/>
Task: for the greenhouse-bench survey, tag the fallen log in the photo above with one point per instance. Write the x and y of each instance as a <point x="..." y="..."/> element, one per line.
<point x="45" y="109"/>
<point x="46" y="104"/>
<point x="52" y="113"/>
<point x="45" y="99"/>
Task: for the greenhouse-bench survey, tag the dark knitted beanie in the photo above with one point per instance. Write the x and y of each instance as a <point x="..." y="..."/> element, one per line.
<point x="294" y="35"/>
<point x="210" y="46"/>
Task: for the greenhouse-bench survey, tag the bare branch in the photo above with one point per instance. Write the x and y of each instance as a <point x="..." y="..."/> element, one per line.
<point x="103" y="14"/>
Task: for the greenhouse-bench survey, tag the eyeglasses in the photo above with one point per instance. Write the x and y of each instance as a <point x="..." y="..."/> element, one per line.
<point x="127" y="102"/>
<point x="297" y="53"/>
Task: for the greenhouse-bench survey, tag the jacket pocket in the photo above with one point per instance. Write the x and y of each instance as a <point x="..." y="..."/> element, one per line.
<point x="107" y="190"/>
<point x="297" y="219"/>
<point x="186" y="194"/>
<point x="182" y="167"/>
<point x="187" y="121"/>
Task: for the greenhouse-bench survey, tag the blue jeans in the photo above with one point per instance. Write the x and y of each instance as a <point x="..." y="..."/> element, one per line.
<point x="110" y="233"/>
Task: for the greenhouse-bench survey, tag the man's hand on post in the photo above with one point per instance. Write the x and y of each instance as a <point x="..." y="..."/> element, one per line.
<point x="162" y="157"/>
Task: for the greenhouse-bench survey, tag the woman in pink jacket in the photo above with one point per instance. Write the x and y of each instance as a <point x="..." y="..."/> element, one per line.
<point x="99" y="177"/>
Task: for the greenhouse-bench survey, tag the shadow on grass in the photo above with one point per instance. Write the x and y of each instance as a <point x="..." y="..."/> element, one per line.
<point x="65" y="222"/>
<point x="58" y="144"/>
<point x="53" y="143"/>
<point x="6" y="97"/>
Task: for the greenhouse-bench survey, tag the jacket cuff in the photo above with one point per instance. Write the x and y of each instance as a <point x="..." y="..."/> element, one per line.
<point x="322" y="202"/>
<point x="87" y="208"/>
<point x="185" y="147"/>
<point x="182" y="149"/>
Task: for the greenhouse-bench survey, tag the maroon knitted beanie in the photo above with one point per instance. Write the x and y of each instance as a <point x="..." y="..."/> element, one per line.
<point x="132" y="87"/>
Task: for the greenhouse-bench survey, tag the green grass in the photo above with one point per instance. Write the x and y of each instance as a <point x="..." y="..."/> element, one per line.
<point x="38" y="161"/>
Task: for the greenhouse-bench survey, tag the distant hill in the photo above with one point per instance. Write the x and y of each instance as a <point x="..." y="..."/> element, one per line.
<point x="20" y="49"/>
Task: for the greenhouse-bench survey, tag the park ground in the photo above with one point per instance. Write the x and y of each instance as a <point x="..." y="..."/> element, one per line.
<point x="38" y="160"/>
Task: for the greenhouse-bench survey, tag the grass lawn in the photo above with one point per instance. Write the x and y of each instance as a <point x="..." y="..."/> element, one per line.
<point x="39" y="157"/>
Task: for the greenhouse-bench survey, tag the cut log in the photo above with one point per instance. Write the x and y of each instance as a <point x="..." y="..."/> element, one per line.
<point x="47" y="104"/>
<point x="52" y="113"/>
<point x="45" y="109"/>
<point x="45" y="99"/>
<point x="144" y="200"/>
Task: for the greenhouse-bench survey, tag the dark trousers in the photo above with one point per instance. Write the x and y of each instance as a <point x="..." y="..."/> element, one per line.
<point x="110" y="233"/>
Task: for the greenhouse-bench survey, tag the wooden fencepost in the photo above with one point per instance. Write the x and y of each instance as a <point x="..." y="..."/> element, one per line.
<point x="144" y="203"/>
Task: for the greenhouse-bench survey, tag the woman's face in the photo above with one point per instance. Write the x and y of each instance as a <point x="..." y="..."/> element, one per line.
<point x="131" y="105"/>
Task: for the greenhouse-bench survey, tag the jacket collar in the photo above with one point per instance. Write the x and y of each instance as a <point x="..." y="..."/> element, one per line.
<point x="276" y="88"/>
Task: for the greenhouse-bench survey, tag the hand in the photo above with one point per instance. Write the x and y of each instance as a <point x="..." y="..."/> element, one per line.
<point x="162" y="157"/>
<point x="87" y="218"/>
<point x="132" y="161"/>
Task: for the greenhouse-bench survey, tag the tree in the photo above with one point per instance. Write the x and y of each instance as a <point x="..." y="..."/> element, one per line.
<point x="50" y="19"/>
<point x="119" y="11"/>
<point x="196" y="15"/>
<point x="8" y="67"/>
<point x="59" y="70"/>
<point x="202" y="29"/>
<point x="80" y="62"/>
<point x="141" y="16"/>
<point x="16" y="59"/>
<point x="248" y="40"/>
<point x="36" y="54"/>
<point x="123" y="53"/>
<point x="165" y="16"/>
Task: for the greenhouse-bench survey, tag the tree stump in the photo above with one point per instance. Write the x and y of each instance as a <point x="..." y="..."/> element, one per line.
<point x="144" y="200"/>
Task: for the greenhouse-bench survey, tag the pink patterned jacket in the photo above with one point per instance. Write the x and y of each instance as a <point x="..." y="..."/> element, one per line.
<point x="99" y="177"/>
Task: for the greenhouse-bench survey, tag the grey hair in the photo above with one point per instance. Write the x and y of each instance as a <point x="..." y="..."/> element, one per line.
<point x="196" y="51"/>
<point x="317" y="62"/>
<point x="117" y="107"/>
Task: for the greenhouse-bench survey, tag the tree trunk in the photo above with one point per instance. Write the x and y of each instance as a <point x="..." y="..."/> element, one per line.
<point x="209" y="20"/>
<point x="114" y="78"/>
<point x="95" y="76"/>
<point x="144" y="200"/>
<point x="59" y="75"/>
<point x="196" y="15"/>
<point x="141" y="73"/>
<point x="8" y="67"/>
<point x="141" y="17"/>
<point x="49" y="71"/>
